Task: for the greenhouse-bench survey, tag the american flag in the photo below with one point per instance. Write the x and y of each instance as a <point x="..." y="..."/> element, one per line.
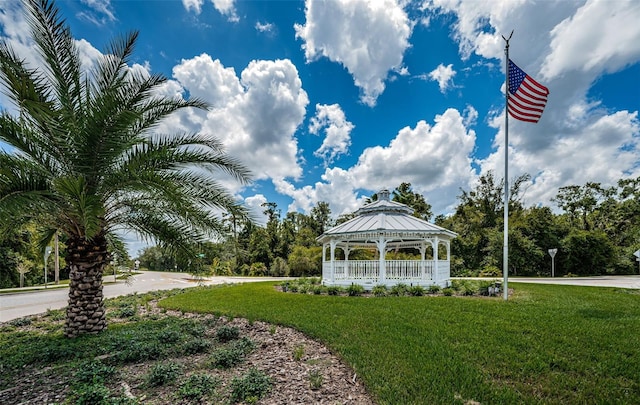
<point x="527" y="97"/>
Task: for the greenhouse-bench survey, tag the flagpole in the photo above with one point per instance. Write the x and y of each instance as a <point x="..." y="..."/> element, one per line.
<point x="505" y="251"/>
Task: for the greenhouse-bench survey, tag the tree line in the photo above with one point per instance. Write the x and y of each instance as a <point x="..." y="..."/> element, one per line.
<point x="595" y="228"/>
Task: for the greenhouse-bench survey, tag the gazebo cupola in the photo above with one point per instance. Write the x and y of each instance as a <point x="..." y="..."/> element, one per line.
<point x="385" y="226"/>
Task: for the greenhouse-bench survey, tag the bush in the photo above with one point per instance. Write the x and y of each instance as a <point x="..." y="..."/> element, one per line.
<point x="379" y="290"/>
<point x="90" y="394"/>
<point x="319" y="289"/>
<point x="334" y="290"/>
<point x="196" y="345"/>
<point x="94" y="371"/>
<point x="250" y="387"/>
<point x="20" y="322"/>
<point x="416" y="291"/>
<point x="227" y="333"/>
<point x="434" y="289"/>
<point x="448" y="292"/>
<point x="315" y="380"/>
<point x="355" y="290"/>
<point x="163" y="373"/>
<point x="198" y="386"/>
<point x="226" y="357"/>
<point x="399" y="290"/>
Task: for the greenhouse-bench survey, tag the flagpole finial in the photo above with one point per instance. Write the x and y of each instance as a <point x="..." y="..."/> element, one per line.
<point x="507" y="39"/>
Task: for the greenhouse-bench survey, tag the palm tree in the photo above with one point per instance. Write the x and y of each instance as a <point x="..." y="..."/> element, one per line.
<point x="89" y="160"/>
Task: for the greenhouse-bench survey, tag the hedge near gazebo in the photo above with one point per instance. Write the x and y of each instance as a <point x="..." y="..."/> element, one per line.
<point x="384" y="226"/>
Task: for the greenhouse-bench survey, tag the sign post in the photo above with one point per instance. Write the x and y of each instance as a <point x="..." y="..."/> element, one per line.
<point x="637" y="255"/>
<point x="552" y="253"/>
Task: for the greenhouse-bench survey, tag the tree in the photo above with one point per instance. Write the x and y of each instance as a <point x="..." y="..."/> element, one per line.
<point x="89" y="160"/>
<point x="405" y="195"/>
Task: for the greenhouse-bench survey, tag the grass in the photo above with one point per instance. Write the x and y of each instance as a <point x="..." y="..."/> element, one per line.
<point x="547" y="344"/>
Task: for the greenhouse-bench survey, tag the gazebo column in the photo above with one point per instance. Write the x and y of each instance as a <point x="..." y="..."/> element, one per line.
<point x="346" y="251"/>
<point x="435" y="277"/>
<point x="423" y="250"/>
<point x="382" y="270"/>
<point x="333" y="244"/>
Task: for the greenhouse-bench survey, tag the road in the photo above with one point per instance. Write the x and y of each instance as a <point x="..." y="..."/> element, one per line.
<point x="17" y="305"/>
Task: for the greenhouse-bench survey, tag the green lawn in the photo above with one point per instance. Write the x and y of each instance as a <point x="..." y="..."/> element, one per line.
<point x="547" y="344"/>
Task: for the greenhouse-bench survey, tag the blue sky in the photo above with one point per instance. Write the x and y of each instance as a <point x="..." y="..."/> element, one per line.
<point x="334" y="100"/>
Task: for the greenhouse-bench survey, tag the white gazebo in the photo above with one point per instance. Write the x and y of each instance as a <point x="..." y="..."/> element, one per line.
<point x="386" y="226"/>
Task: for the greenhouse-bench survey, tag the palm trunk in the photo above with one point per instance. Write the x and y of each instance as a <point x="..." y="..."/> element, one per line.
<point x="87" y="259"/>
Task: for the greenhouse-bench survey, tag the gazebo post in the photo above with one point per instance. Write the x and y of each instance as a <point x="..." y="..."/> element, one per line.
<point x="435" y="260"/>
<point x="333" y="261"/>
<point x="382" y="271"/>
<point x="423" y="249"/>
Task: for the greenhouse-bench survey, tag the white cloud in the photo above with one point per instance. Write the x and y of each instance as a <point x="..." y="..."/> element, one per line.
<point x="367" y="37"/>
<point x="254" y="204"/>
<point x="444" y="76"/>
<point x="100" y="12"/>
<point x="226" y="8"/>
<point x="601" y="36"/>
<point x="337" y="129"/>
<point x="264" y="27"/>
<point x="195" y="5"/>
<point x="568" y="46"/>
<point x="436" y="160"/>
<point x="256" y="115"/>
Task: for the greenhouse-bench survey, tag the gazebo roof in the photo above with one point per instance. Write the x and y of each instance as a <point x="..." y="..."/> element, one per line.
<point x="389" y="217"/>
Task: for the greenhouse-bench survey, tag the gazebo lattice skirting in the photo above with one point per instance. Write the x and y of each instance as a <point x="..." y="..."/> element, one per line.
<point x="386" y="226"/>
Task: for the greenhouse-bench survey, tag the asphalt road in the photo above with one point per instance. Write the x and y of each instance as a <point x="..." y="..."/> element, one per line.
<point x="17" y="305"/>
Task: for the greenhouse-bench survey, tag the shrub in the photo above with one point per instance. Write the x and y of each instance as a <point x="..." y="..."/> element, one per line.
<point x="169" y="336"/>
<point x="227" y="357"/>
<point x="416" y="291"/>
<point x="198" y="386"/>
<point x="355" y="290"/>
<point x="163" y="373"/>
<point x="196" y="345"/>
<point x="90" y="394"/>
<point x="227" y="333"/>
<point x="250" y="387"/>
<point x="334" y="290"/>
<point x="94" y="371"/>
<point x="447" y="291"/>
<point x="379" y="290"/>
<point x="399" y="290"/>
<point x="20" y="322"/>
<point x="434" y="289"/>
<point x="315" y="380"/>
<point x="298" y="352"/>
<point x="304" y="288"/>
<point x="319" y="289"/>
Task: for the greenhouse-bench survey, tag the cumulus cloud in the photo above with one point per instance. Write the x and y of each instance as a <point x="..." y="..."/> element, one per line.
<point x="444" y="76"/>
<point x="367" y="37"/>
<point x="226" y="8"/>
<point x="568" y="46"/>
<point x="256" y="210"/>
<point x="337" y="129"/>
<point x="601" y="36"/>
<point x="256" y="115"/>
<point x="435" y="159"/>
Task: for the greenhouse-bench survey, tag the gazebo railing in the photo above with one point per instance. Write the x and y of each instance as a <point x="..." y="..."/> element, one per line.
<point x="407" y="271"/>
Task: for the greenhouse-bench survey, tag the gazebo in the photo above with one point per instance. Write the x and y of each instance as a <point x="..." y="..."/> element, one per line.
<point x="385" y="226"/>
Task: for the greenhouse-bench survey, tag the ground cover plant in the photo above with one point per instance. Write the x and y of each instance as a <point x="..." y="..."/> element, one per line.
<point x="150" y="355"/>
<point x="547" y="344"/>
